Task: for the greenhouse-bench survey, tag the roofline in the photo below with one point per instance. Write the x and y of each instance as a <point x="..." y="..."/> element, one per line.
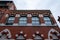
<point x="6" y="0"/>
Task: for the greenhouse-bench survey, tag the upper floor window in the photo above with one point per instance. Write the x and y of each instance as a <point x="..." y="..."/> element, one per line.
<point x="47" y="20"/>
<point x="20" y="37"/>
<point x="35" y="20"/>
<point x="10" y="20"/>
<point x="23" y="20"/>
<point x="37" y="37"/>
<point x="4" y="36"/>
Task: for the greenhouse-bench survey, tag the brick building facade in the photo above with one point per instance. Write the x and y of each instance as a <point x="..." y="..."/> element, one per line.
<point x="27" y="24"/>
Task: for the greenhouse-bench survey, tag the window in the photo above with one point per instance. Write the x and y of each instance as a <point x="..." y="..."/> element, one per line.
<point x="20" y="37"/>
<point x="10" y="20"/>
<point x="47" y="20"/>
<point x="35" y="20"/>
<point x="37" y="37"/>
<point x="4" y="36"/>
<point x="23" y="20"/>
<point x="3" y="4"/>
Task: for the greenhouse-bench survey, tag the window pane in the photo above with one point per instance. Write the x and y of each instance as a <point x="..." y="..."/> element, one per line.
<point x="35" y="18"/>
<point x="23" y="20"/>
<point x="48" y="23"/>
<point x="47" y="20"/>
<point x="10" y="20"/>
<point x="35" y="21"/>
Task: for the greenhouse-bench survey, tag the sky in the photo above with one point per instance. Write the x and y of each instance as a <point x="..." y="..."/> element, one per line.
<point x="52" y="5"/>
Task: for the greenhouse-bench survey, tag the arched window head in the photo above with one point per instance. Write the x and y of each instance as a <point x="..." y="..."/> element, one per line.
<point x="53" y="34"/>
<point x="5" y="34"/>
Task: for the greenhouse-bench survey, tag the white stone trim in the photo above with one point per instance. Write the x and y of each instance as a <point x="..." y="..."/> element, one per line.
<point x="29" y="24"/>
<point x="21" y="32"/>
<point x="25" y="35"/>
<point x="29" y="39"/>
<point x="43" y="24"/>
<point x="17" y="15"/>
<point x="15" y="24"/>
<point x="42" y="35"/>
<point x="29" y="15"/>
<point x="6" y="15"/>
<point x="2" y="24"/>
<point x="40" y="15"/>
<point x="51" y="15"/>
<point x="16" y="35"/>
<point x="37" y="32"/>
<point x="7" y="39"/>
<point x="33" y="35"/>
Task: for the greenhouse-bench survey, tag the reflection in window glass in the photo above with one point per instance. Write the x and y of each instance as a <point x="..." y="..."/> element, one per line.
<point x="47" y="20"/>
<point x="10" y="20"/>
<point x="35" y="20"/>
<point x="23" y="21"/>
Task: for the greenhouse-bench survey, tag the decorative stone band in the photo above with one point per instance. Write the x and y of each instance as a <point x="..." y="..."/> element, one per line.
<point x="43" y="24"/>
<point x="7" y="39"/>
<point x="15" y="24"/>
<point x="29" y="39"/>
<point x="40" y="15"/>
<point x="29" y="24"/>
<point x="17" y="15"/>
<point x="29" y="15"/>
<point x="2" y="24"/>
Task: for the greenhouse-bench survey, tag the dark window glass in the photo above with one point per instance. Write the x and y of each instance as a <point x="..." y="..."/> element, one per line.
<point x="47" y="20"/>
<point x="10" y="20"/>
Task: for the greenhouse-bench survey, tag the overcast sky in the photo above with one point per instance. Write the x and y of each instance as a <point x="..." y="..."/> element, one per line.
<point x="53" y="5"/>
